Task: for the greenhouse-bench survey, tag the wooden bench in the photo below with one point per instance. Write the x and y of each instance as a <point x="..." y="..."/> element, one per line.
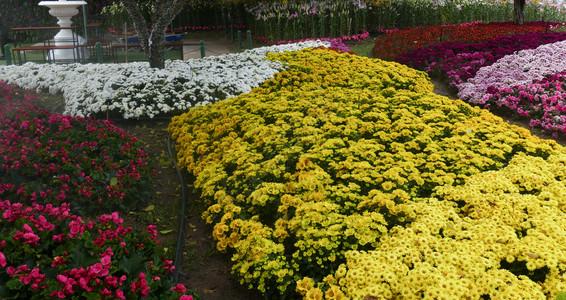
<point x="47" y="45"/>
<point x="81" y="52"/>
<point x="18" y="51"/>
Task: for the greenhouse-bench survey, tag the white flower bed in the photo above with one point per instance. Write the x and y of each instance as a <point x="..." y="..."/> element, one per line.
<point x="136" y="91"/>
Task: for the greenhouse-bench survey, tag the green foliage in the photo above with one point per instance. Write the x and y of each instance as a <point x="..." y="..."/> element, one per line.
<point x="115" y="15"/>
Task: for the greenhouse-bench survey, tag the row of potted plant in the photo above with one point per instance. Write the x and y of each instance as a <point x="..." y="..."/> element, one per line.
<point x="134" y="90"/>
<point x="297" y="19"/>
<point x="185" y="29"/>
<point x="517" y="69"/>
<point x="497" y="236"/>
<point x="333" y="157"/>
<point x="60" y="237"/>
<point x="542" y="101"/>
<point x="527" y="82"/>
<point x="47" y="251"/>
<point x="293" y="20"/>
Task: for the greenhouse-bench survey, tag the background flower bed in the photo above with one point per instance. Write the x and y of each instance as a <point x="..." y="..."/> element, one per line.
<point x="520" y="73"/>
<point x="398" y="42"/>
<point x="295" y="171"/>
<point x="458" y="62"/>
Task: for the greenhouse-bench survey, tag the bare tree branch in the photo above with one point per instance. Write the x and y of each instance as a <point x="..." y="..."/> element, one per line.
<point x="153" y="43"/>
<point x="139" y="23"/>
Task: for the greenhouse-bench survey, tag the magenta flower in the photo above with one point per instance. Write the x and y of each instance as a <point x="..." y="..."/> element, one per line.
<point x="2" y="260"/>
<point x="179" y="288"/>
<point x="106" y="260"/>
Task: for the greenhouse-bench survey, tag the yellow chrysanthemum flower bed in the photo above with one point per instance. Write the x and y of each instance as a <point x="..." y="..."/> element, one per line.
<point x="501" y="234"/>
<point x="346" y="177"/>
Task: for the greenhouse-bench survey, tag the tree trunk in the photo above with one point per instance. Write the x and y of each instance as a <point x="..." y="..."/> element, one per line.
<point x="153" y="44"/>
<point x="519" y="12"/>
<point x="157" y="50"/>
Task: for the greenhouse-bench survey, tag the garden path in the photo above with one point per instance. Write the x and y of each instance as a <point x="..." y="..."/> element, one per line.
<point x="214" y="46"/>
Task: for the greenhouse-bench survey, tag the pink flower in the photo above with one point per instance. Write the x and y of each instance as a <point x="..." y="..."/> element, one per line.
<point x="120" y="294"/>
<point x="62" y="278"/>
<point x="25" y="125"/>
<point x="140" y="285"/>
<point x="2" y="260"/>
<point x="106" y="260"/>
<point x="111" y="281"/>
<point x="97" y="268"/>
<point x="179" y="288"/>
<point x="27" y="228"/>
<point x="186" y="297"/>
<point x="122" y="279"/>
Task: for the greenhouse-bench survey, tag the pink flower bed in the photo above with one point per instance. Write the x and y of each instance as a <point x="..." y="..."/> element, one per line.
<point x="51" y="164"/>
<point x="53" y="158"/>
<point x="46" y="251"/>
<point x="543" y="101"/>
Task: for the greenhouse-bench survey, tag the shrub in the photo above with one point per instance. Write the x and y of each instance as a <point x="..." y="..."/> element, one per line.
<point x="461" y="61"/>
<point x="134" y="91"/>
<point x="522" y="67"/>
<point x="500" y="235"/>
<point x="542" y="101"/>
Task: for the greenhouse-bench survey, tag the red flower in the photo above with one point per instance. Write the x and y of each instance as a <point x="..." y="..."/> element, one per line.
<point x="179" y="288"/>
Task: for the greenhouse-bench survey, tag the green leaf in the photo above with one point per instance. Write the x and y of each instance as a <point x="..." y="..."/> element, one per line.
<point x="93" y="296"/>
<point x="14" y="284"/>
<point x="561" y="296"/>
<point x="166" y="231"/>
<point x="81" y="258"/>
<point x="149" y="208"/>
<point x="132" y="265"/>
<point x="114" y="181"/>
